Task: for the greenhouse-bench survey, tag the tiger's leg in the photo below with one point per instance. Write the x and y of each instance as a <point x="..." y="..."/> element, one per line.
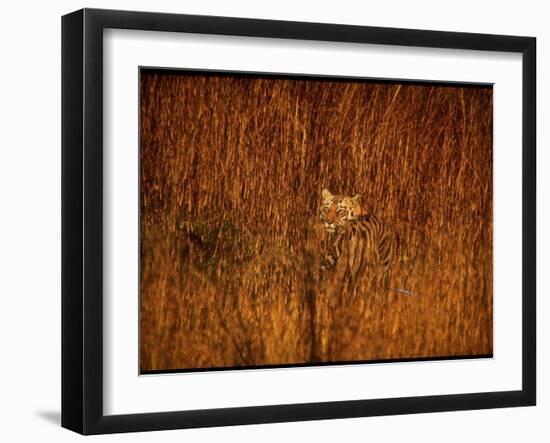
<point x="342" y="269"/>
<point x="386" y="251"/>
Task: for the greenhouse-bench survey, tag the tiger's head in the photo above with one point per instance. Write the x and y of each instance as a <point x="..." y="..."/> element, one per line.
<point x="337" y="210"/>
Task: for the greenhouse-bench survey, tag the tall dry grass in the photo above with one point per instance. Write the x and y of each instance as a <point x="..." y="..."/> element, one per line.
<point x="231" y="173"/>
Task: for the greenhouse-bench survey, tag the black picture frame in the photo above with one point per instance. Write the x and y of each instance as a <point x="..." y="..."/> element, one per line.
<point x="82" y="221"/>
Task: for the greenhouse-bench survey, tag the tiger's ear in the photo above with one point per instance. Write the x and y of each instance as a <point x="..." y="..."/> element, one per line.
<point x="356" y="199"/>
<point x="326" y="194"/>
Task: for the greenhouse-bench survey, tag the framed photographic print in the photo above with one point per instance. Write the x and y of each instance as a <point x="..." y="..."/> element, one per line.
<point x="269" y="221"/>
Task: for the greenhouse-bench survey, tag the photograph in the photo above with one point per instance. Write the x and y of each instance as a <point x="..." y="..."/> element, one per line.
<point x="293" y="220"/>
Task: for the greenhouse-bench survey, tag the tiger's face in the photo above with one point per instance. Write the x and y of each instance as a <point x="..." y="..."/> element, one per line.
<point x="337" y="210"/>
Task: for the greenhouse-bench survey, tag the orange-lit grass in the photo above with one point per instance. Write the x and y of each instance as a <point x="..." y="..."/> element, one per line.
<point x="231" y="173"/>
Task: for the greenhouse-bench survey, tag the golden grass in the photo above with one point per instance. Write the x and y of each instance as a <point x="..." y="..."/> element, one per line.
<point x="231" y="173"/>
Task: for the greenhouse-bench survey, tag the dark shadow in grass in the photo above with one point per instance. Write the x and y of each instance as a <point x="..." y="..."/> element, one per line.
<point x="54" y="417"/>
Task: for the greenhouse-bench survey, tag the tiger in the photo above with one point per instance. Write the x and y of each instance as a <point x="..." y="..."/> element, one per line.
<point x="357" y="240"/>
<point x="337" y="210"/>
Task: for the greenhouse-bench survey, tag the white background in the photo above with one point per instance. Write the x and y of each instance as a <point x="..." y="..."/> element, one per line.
<point x="30" y="222"/>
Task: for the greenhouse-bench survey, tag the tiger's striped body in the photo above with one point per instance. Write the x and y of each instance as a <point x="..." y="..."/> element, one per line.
<point x="359" y="247"/>
<point x="359" y="243"/>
